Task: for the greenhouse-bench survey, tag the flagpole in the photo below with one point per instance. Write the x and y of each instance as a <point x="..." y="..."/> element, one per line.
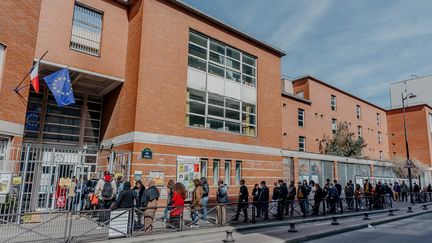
<point x="16" y="89"/>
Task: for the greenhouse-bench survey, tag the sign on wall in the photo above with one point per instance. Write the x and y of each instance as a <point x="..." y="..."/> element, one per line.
<point x="157" y="176"/>
<point x="188" y="169"/>
<point x="147" y="154"/>
<point x="5" y="182"/>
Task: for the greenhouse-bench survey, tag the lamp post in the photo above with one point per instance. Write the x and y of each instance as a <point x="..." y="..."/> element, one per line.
<point x="408" y="96"/>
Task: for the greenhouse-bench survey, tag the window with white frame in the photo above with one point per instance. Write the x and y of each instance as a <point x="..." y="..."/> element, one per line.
<point x="215" y="171"/>
<point x="2" y="57"/>
<point x="227" y="172"/>
<point x="334" y="126"/>
<point x="4" y="146"/>
<point x="378" y="119"/>
<point x="359" y="132"/>
<point x="302" y="143"/>
<point x="358" y="111"/>
<point x="333" y="102"/>
<point x="238" y="169"/>
<point x="216" y="112"/>
<point x="86" y="30"/>
<point x="379" y="137"/>
<point x="218" y="59"/>
<point x="203" y="168"/>
<point x="301" y="117"/>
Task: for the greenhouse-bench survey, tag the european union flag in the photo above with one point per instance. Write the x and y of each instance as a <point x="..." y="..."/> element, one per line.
<point x="60" y="85"/>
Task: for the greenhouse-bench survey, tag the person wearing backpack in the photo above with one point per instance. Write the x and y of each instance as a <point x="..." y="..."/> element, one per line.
<point x="221" y="198"/>
<point x="205" y="198"/>
<point x="105" y="191"/>
<point x="149" y="201"/>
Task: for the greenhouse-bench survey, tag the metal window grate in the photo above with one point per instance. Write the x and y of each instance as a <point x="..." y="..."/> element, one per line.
<point x="86" y="30"/>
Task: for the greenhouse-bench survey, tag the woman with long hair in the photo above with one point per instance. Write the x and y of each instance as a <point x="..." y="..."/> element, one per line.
<point x="170" y="191"/>
<point x="179" y="195"/>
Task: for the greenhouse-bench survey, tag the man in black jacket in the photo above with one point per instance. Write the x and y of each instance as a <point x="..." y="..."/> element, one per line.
<point x="243" y="200"/>
<point x="292" y="192"/>
<point x="264" y="199"/>
<point x="283" y="194"/>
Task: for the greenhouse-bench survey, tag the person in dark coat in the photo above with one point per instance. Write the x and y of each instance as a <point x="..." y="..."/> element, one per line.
<point x="126" y="198"/>
<point x="292" y="192"/>
<point x="318" y="197"/>
<point x="243" y="200"/>
<point x="255" y="194"/>
<point x="263" y="198"/>
<point x="139" y="191"/>
<point x="283" y="194"/>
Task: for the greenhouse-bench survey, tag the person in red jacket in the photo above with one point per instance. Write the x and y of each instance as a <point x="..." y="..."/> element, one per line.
<point x="179" y="196"/>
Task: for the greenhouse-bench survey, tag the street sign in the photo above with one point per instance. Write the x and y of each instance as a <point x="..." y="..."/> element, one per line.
<point x="409" y="164"/>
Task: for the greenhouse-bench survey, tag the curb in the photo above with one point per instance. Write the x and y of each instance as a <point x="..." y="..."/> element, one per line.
<point x="356" y="227"/>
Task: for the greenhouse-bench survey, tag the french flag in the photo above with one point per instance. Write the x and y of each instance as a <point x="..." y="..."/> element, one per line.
<point x="34" y="77"/>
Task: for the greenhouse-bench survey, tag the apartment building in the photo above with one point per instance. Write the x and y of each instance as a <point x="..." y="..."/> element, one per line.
<point x="311" y="111"/>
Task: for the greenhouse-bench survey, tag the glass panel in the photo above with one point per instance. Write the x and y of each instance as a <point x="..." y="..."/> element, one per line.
<point x="197" y="63"/>
<point x="217" y="47"/>
<point x="203" y="168"/>
<point x="196" y="107"/>
<point x="249" y="81"/>
<point x="248" y="118"/>
<point x="89" y="132"/>
<point x="249" y="60"/>
<point x="233" y="104"/>
<point x="228" y="172"/>
<point x="198" y="39"/>
<point x="215" y="171"/>
<point x="233" y="53"/>
<point x="248" y="70"/>
<point x="232" y="127"/>
<point x="214" y="124"/>
<point x="216" y="70"/>
<point x="238" y="172"/>
<point x="328" y="170"/>
<point x="248" y="130"/>
<point x="215" y="111"/>
<point x="316" y="171"/>
<point x="246" y="107"/>
<point x="232" y="114"/>
<point x="342" y="173"/>
<point x="195" y="121"/>
<point x="197" y="51"/>
<point x="62" y="129"/>
<point x="216" y="99"/>
<point x="233" y="75"/>
<point x="304" y="169"/>
<point x="216" y="58"/>
<point x="197" y="95"/>
<point x="232" y="63"/>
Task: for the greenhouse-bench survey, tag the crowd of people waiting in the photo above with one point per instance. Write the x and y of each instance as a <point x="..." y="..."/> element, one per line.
<point x="114" y="193"/>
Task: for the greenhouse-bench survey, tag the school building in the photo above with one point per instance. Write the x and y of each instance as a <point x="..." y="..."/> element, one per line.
<point x="164" y="91"/>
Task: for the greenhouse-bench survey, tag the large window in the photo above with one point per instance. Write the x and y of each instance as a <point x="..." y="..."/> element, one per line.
<point x="358" y="111"/>
<point x="86" y="30"/>
<point x="215" y="171"/>
<point x="227" y="172"/>
<point x="333" y="102"/>
<point x="238" y="174"/>
<point x="300" y="117"/>
<point x="302" y="144"/>
<point x="218" y="59"/>
<point x="204" y="167"/>
<point x="216" y="112"/>
<point x="334" y="126"/>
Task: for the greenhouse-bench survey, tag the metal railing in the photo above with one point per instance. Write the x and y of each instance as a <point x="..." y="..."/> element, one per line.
<point x="89" y="225"/>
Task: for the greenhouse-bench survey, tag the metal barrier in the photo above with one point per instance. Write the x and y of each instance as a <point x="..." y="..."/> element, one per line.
<point x="87" y="225"/>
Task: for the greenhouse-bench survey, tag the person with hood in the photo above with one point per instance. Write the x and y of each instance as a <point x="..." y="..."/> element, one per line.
<point x="105" y="191"/>
<point x="196" y="202"/>
<point x="205" y="198"/>
<point x="221" y="199"/>
<point x="243" y="200"/>
<point x="149" y="201"/>
<point x="126" y="198"/>
<point x="179" y="196"/>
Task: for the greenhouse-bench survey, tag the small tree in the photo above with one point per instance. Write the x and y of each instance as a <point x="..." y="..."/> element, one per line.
<point x="343" y="143"/>
<point x="402" y="172"/>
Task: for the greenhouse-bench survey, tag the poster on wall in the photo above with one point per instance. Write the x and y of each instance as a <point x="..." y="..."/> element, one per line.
<point x="5" y="182"/>
<point x="157" y="176"/>
<point x="188" y="169"/>
<point x="138" y="175"/>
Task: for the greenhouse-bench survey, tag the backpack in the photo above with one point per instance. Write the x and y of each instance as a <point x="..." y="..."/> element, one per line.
<point x="107" y="191"/>
<point x="333" y="193"/>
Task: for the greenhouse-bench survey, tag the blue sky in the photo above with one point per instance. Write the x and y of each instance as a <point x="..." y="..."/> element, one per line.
<point x="359" y="46"/>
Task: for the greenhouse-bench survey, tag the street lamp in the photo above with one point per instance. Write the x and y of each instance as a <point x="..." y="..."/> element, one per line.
<point x="408" y="96"/>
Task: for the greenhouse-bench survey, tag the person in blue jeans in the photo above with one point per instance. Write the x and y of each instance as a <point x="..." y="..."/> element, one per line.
<point x="205" y="198"/>
<point x="170" y="190"/>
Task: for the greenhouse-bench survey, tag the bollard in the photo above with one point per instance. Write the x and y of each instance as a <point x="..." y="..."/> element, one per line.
<point x="391" y="212"/>
<point x="366" y="216"/>
<point x="229" y="237"/>
<point x="425" y="207"/>
<point x="334" y="221"/>
<point x="292" y="228"/>
<point x="409" y="210"/>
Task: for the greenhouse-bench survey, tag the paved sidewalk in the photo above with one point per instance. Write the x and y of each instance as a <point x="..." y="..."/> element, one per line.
<point x="277" y="232"/>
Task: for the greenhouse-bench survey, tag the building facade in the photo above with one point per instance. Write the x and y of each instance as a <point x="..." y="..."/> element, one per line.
<point x="163" y="91"/>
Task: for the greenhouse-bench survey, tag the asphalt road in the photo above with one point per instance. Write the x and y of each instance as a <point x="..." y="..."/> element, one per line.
<point x="413" y="230"/>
